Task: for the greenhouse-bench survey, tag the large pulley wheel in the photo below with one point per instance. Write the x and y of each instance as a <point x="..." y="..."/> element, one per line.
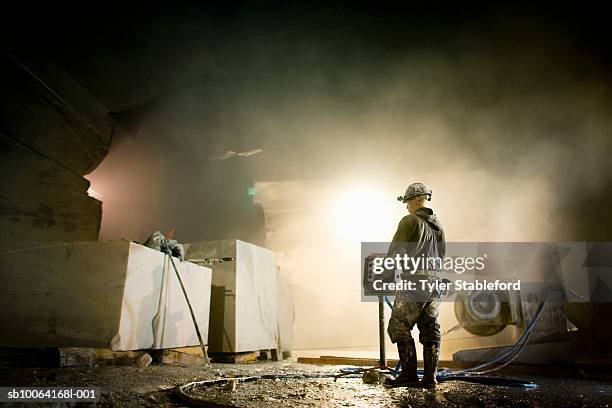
<point x="482" y="312"/>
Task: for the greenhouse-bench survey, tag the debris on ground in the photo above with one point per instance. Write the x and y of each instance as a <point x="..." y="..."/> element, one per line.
<point x="130" y="386"/>
<point x="143" y="360"/>
<point x="372" y="376"/>
<point x="230" y="386"/>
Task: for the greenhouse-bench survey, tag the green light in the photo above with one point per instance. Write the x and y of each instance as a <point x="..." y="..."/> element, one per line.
<point x="251" y="191"/>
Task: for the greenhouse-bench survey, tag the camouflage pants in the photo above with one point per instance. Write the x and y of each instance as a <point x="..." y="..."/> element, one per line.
<point x="415" y="307"/>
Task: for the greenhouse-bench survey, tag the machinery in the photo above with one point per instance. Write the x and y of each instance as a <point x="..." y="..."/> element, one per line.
<point x="485" y="323"/>
<point x="479" y="324"/>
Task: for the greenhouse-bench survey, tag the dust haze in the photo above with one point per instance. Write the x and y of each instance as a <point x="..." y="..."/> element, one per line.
<point x="506" y="120"/>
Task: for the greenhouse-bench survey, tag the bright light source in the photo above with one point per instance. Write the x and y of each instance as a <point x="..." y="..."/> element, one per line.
<point x="362" y="215"/>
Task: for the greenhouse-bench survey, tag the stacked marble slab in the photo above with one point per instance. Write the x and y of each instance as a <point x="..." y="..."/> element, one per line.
<point x="244" y="300"/>
<point x="118" y="295"/>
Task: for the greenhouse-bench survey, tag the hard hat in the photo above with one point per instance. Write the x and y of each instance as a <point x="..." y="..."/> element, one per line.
<point x="415" y="190"/>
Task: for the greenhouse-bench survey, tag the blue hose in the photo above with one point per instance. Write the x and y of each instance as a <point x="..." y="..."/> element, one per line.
<point x="520" y="343"/>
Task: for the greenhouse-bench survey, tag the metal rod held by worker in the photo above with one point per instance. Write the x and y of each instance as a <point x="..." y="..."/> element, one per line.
<point x="381" y="332"/>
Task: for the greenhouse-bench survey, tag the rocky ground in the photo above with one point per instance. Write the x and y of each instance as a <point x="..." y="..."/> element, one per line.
<point x="129" y="386"/>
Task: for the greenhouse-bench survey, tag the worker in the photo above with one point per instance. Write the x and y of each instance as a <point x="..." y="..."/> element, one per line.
<point x="418" y="234"/>
<point x="166" y="243"/>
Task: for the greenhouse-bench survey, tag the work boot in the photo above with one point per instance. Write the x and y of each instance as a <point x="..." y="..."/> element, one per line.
<point x="431" y="354"/>
<point x="408" y="362"/>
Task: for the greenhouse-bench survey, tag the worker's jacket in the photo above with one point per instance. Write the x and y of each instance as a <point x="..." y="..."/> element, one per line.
<point x="419" y="234"/>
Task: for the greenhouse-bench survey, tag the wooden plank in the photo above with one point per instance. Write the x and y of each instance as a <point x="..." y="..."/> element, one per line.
<point x="106" y="356"/>
<point x="88" y="357"/>
<point x="174" y="357"/>
<point x="234" y="358"/>
<point x="189" y="350"/>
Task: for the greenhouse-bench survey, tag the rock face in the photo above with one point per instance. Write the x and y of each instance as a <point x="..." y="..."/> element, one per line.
<point x="52" y="133"/>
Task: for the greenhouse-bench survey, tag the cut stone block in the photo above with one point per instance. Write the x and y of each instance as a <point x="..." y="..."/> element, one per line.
<point x="244" y="299"/>
<point x="120" y="295"/>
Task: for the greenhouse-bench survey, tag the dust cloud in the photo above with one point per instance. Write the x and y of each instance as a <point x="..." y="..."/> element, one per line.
<point x="507" y="120"/>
